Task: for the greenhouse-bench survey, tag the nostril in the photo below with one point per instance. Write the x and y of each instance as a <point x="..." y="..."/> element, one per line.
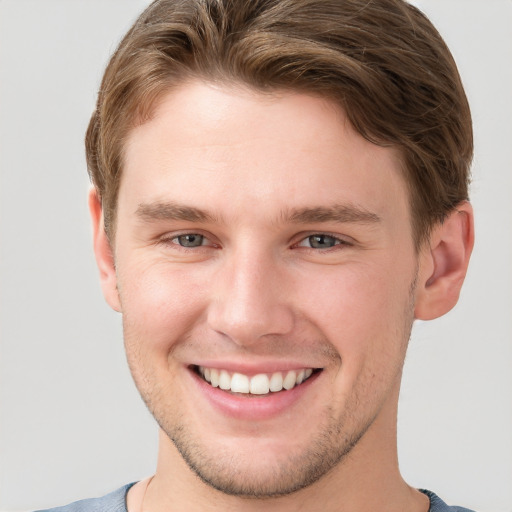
<point x="245" y="325"/>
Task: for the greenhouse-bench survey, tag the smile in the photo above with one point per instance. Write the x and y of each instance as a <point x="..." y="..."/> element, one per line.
<point x="260" y="384"/>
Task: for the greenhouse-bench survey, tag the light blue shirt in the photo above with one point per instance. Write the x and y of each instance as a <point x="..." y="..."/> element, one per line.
<point x="116" y="502"/>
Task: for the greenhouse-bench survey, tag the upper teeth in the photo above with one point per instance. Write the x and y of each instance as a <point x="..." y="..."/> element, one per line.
<point x="259" y="384"/>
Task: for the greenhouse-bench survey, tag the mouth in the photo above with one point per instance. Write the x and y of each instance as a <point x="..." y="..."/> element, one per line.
<point x="260" y="384"/>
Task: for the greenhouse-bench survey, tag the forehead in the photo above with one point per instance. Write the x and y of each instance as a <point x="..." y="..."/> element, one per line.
<point x="231" y="148"/>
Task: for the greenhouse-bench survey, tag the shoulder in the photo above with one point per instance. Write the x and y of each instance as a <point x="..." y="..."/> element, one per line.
<point x="438" y="505"/>
<point x="113" y="502"/>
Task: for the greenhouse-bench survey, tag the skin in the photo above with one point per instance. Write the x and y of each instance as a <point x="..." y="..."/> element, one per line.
<point x="259" y="294"/>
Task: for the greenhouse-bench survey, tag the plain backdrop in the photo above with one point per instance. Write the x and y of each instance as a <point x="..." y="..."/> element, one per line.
<point x="72" y="424"/>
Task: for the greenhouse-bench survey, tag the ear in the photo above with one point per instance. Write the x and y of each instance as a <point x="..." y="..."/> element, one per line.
<point x="443" y="264"/>
<point x="103" y="252"/>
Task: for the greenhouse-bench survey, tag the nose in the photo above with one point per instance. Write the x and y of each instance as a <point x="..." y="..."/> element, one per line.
<point x="249" y="299"/>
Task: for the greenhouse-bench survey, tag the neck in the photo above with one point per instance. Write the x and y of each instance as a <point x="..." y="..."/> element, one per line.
<point x="368" y="479"/>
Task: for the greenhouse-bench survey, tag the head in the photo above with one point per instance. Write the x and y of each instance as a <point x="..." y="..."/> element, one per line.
<point x="280" y="190"/>
<point x="382" y="62"/>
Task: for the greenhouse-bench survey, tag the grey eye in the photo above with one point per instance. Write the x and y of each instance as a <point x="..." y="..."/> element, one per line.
<point x="322" y="241"/>
<point x="190" y="240"/>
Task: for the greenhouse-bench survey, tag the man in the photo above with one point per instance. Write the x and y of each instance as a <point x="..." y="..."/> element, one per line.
<point x="280" y="189"/>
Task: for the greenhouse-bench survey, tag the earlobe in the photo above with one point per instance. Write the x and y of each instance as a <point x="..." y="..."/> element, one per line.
<point x="103" y="252"/>
<point x="444" y="263"/>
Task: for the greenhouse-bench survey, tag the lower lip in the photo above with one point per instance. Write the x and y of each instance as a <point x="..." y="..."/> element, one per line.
<point x="253" y="407"/>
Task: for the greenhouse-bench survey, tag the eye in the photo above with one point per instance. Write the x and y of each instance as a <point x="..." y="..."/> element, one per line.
<point x="321" y="241"/>
<point x="189" y="240"/>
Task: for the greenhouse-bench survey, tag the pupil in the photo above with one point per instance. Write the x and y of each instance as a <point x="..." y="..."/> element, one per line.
<point x="321" y="241"/>
<point x="190" y="240"/>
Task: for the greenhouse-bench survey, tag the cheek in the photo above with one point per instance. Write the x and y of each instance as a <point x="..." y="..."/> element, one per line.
<point x="160" y="304"/>
<point x="364" y="310"/>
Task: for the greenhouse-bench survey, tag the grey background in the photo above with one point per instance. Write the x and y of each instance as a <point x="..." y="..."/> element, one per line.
<point x="71" y="422"/>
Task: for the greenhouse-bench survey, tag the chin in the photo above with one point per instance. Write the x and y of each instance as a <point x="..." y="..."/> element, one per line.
<point x="258" y="468"/>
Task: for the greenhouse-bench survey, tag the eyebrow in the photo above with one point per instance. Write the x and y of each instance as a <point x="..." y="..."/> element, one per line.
<point x="172" y="211"/>
<point x="346" y="213"/>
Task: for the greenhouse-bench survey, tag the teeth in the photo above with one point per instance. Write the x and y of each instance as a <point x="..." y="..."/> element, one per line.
<point x="239" y="383"/>
<point x="224" y="380"/>
<point x="260" y="384"/>
<point x="276" y="382"/>
<point x="290" y="380"/>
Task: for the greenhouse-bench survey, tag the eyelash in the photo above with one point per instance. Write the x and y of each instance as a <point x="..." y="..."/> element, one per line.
<point x="170" y="240"/>
<point x="338" y="242"/>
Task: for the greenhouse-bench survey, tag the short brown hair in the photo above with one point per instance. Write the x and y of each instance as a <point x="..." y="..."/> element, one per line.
<point x="382" y="61"/>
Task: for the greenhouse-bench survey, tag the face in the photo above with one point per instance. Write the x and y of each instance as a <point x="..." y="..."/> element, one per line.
<point x="265" y="269"/>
